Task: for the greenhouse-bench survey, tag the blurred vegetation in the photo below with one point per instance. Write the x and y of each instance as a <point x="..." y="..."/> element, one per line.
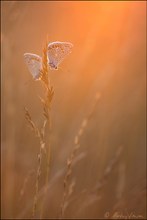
<point x="109" y="58"/>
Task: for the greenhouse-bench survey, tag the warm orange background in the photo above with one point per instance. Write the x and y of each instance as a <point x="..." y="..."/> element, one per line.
<point x="109" y="57"/>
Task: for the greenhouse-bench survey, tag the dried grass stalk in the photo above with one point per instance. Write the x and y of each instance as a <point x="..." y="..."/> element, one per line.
<point x="40" y="133"/>
<point x="73" y="155"/>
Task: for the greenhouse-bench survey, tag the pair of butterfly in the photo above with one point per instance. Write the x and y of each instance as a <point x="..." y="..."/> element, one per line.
<point x="56" y="52"/>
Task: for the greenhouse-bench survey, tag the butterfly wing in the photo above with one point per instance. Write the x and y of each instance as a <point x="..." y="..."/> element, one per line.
<point x="57" y="51"/>
<point x="34" y="64"/>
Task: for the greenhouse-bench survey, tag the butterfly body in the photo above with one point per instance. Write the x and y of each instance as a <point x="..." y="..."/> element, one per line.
<point x="52" y="66"/>
<point x="56" y="53"/>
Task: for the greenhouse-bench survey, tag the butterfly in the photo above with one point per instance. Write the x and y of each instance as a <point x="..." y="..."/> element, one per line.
<point x="56" y="52"/>
<point x="34" y="64"/>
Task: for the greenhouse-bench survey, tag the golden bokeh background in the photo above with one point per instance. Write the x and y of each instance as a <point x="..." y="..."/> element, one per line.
<point x="108" y="58"/>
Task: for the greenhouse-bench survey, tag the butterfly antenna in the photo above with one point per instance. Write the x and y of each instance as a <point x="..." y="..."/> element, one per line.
<point x="47" y="38"/>
<point x="67" y="71"/>
<point x="28" y="81"/>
